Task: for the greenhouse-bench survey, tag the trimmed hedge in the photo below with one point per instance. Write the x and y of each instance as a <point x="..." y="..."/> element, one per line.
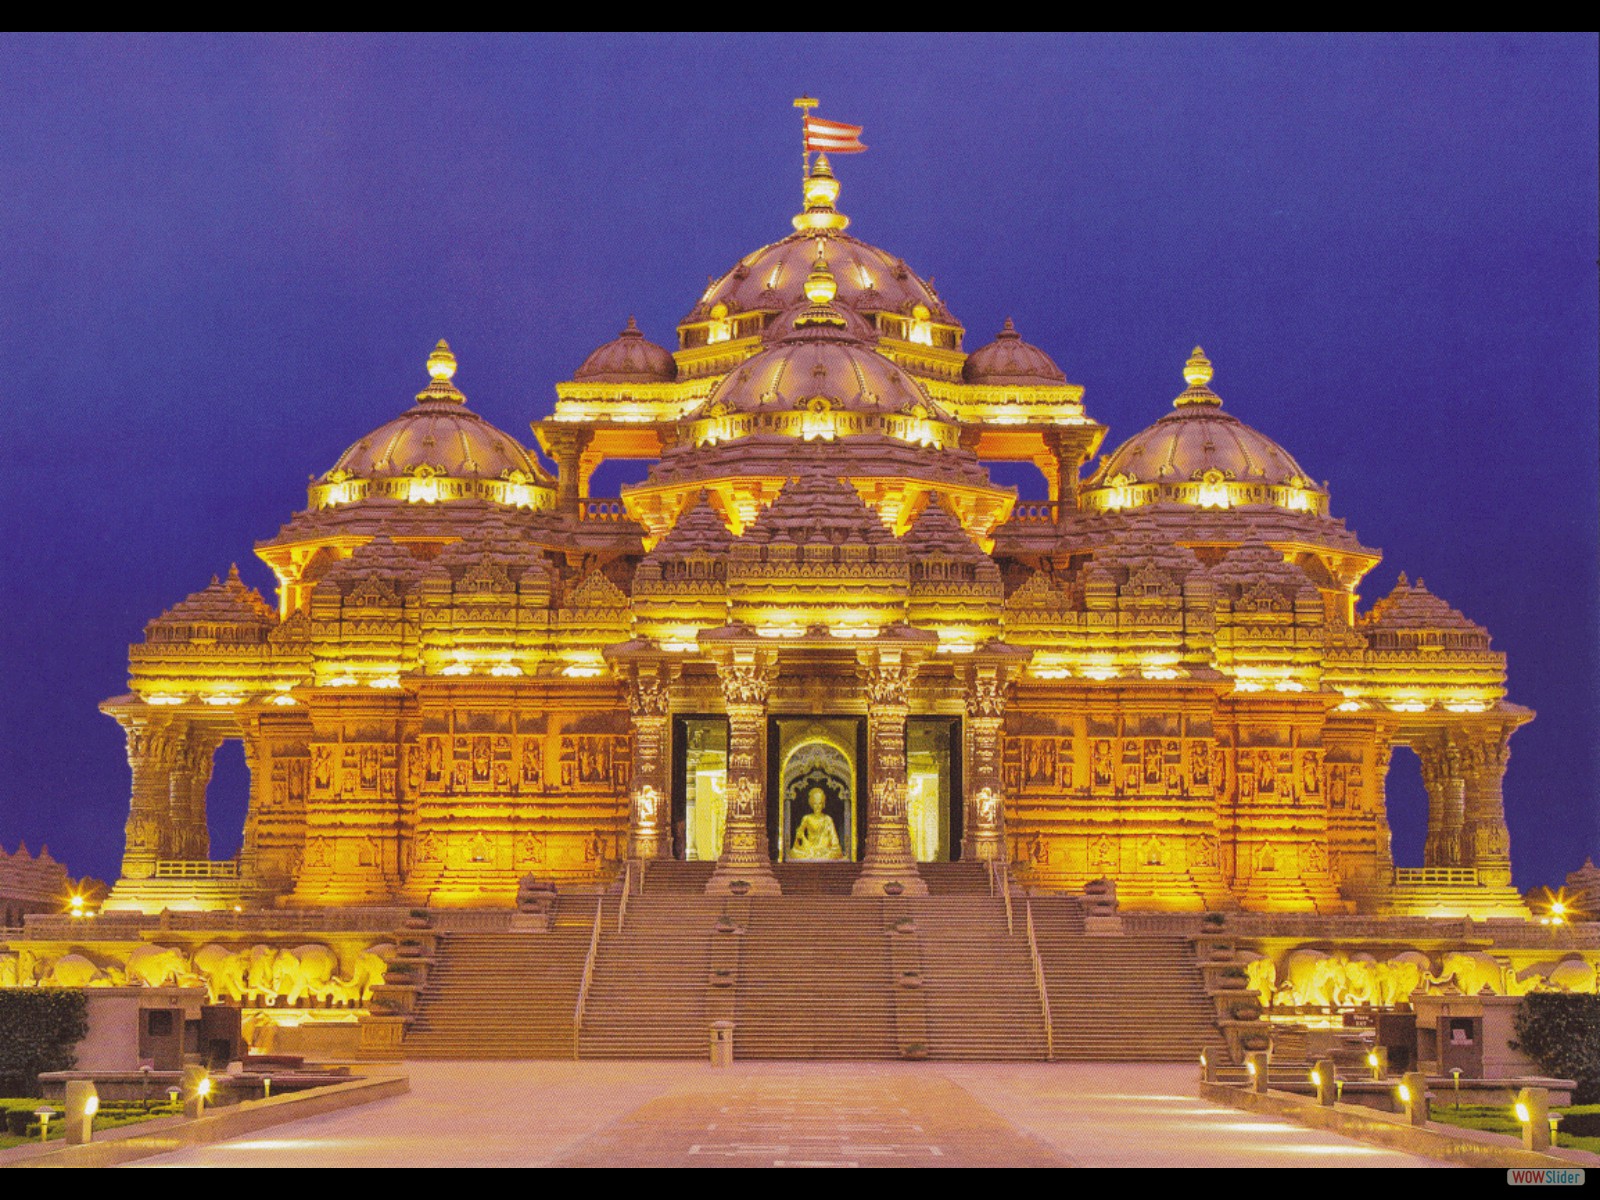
<point x="1562" y="1034"/>
<point x="40" y="1029"/>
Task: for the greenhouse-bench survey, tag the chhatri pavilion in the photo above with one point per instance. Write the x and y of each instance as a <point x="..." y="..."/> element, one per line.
<point x="817" y="631"/>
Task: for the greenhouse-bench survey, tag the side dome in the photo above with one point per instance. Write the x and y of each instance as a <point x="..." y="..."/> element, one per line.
<point x="1199" y="455"/>
<point x="1008" y="360"/>
<point x="436" y="450"/>
<point x="629" y="358"/>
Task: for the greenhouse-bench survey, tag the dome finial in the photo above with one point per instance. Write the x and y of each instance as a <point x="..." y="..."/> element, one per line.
<point x="442" y="368"/>
<point x="821" y="191"/>
<point x="1197" y="374"/>
<point x="441" y="363"/>
<point x="820" y="287"/>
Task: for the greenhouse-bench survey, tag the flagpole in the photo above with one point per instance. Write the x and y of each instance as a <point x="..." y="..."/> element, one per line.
<point x="805" y="104"/>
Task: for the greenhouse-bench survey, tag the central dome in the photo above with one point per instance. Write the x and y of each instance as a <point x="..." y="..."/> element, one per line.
<point x="773" y="278"/>
<point x="820" y="364"/>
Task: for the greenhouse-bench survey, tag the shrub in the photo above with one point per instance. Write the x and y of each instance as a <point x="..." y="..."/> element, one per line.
<point x="40" y="1029"/>
<point x="1562" y="1034"/>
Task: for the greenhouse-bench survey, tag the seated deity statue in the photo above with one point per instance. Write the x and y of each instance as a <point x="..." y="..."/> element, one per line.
<point x="816" y="836"/>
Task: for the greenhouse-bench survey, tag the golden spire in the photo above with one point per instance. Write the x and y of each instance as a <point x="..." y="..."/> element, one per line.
<point x="821" y="192"/>
<point x="1197" y="374"/>
<point x="820" y="289"/>
<point x="442" y="368"/>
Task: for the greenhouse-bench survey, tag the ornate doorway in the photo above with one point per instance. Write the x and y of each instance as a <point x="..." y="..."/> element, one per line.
<point x="817" y="764"/>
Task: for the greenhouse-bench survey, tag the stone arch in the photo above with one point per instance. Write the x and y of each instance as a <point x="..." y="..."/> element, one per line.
<point x="822" y="761"/>
<point x="1406" y="802"/>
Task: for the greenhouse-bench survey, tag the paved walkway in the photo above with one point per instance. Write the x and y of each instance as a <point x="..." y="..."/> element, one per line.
<point x="799" y="1115"/>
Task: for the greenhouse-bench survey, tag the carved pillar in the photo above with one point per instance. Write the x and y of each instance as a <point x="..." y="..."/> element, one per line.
<point x="257" y="761"/>
<point x="1070" y="446"/>
<point x="151" y="749"/>
<point x="566" y="446"/>
<point x="1442" y="775"/>
<point x="650" y="810"/>
<point x="889" y="860"/>
<point x="745" y="857"/>
<point x="984" y="818"/>
<point x="1383" y="851"/>
<point x="192" y="760"/>
<point x="1485" y="840"/>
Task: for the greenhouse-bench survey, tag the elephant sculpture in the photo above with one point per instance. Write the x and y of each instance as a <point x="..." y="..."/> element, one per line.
<point x="367" y="973"/>
<point x="224" y="971"/>
<point x="71" y="971"/>
<point x="1360" y="981"/>
<point x="262" y="975"/>
<point x="1261" y="977"/>
<point x="1400" y="976"/>
<point x="156" y="966"/>
<point x="1309" y="978"/>
<point x="1569" y="975"/>
<point x="307" y="970"/>
<point x="1472" y="971"/>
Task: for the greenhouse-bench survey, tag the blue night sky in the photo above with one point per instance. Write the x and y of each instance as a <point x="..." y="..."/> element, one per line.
<point x="226" y="258"/>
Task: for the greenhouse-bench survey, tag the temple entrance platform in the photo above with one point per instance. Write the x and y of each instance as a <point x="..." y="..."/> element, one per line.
<point x="815" y="974"/>
<point x="626" y="1114"/>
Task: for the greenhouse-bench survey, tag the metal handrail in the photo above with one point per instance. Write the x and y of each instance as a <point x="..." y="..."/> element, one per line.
<point x="1005" y="890"/>
<point x="627" y="890"/>
<point x="1044" y="991"/>
<point x="588" y="974"/>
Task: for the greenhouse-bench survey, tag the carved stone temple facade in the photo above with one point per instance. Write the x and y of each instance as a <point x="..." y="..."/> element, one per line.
<point x="818" y="622"/>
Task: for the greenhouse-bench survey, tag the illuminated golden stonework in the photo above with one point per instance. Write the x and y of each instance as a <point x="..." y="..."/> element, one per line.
<point x="817" y="630"/>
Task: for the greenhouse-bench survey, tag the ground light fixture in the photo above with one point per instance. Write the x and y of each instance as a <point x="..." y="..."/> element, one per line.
<point x="44" y="1115"/>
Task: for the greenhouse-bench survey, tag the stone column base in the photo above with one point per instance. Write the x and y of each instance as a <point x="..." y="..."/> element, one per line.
<point x="757" y="880"/>
<point x="877" y="880"/>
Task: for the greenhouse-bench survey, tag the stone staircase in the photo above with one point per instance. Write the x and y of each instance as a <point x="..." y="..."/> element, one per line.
<point x="814" y="974"/>
<point x="1130" y="998"/>
<point x="506" y="995"/>
<point x="648" y="997"/>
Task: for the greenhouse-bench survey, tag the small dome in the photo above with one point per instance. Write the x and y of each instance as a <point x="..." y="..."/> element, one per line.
<point x="1199" y="448"/>
<point x="629" y="358"/>
<point x="440" y="434"/>
<point x="1010" y="360"/>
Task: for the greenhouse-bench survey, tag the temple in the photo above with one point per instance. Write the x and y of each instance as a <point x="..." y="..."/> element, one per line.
<point x="818" y="630"/>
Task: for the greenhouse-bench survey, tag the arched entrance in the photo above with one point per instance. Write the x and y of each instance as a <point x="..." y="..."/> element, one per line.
<point x="818" y="757"/>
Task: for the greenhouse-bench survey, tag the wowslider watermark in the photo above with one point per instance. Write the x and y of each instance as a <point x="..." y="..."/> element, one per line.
<point x="1546" y="1176"/>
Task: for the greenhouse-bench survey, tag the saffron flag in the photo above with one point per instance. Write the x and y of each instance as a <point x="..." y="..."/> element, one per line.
<point x="834" y="137"/>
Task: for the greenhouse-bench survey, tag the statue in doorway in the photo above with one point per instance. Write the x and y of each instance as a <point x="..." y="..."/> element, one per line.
<point x="816" y="837"/>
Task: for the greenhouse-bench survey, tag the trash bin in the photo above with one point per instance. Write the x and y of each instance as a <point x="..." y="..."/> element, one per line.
<point x="722" y="1043"/>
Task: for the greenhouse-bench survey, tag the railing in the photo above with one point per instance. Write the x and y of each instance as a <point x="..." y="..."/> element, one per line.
<point x="1034" y="513"/>
<point x="1436" y="877"/>
<point x="1044" y="991"/>
<point x="602" y="510"/>
<point x="1003" y="875"/>
<point x="627" y="887"/>
<point x="588" y="974"/>
<point x="188" y="868"/>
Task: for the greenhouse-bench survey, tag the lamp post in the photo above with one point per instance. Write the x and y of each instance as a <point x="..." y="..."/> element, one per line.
<point x="44" y="1115"/>
<point x="1532" y="1109"/>
<point x="1455" y="1079"/>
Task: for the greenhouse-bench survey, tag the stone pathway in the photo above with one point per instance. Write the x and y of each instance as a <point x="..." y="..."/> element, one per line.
<point x="588" y="1114"/>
